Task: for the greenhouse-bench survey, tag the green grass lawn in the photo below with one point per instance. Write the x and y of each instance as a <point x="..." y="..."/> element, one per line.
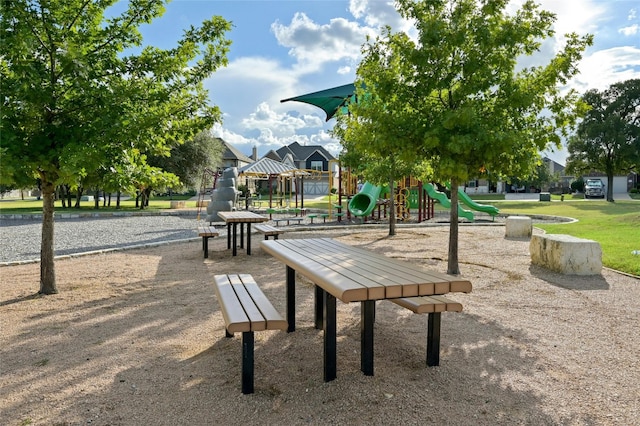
<point x="616" y="226"/>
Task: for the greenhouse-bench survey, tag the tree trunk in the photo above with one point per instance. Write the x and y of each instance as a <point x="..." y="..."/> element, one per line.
<point x="118" y="200"/>
<point x="47" y="271"/>
<point x="392" y="209"/>
<point x="452" y="265"/>
<point x="68" y="189"/>
<point x="78" y="196"/>
<point x="610" y="187"/>
<point x="96" y="199"/>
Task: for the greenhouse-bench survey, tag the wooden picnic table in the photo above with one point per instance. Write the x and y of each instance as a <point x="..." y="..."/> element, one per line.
<point x="242" y="217"/>
<point x="352" y="274"/>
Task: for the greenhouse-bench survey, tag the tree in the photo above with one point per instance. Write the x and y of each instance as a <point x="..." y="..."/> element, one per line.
<point x="608" y="138"/>
<point x="79" y="89"/>
<point x="454" y="98"/>
<point x="188" y="160"/>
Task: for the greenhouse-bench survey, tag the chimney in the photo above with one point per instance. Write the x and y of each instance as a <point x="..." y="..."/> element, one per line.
<point x="254" y="155"/>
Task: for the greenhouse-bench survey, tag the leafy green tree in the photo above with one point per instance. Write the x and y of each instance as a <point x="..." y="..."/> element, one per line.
<point x="188" y="160"/>
<point x="79" y="89"/>
<point x="608" y="138"/>
<point x="454" y="97"/>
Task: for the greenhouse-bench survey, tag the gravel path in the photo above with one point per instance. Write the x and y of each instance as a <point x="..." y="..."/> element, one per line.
<point x="21" y="238"/>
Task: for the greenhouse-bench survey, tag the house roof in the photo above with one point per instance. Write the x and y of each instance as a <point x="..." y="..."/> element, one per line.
<point x="303" y="152"/>
<point x="231" y="153"/>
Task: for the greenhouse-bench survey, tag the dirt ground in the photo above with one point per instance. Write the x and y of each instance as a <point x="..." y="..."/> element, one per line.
<point x="136" y="337"/>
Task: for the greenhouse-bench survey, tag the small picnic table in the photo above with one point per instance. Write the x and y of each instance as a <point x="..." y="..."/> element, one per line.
<point x="232" y="219"/>
<point x="352" y="274"/>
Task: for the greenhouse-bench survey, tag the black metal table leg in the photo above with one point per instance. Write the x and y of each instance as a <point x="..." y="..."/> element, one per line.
<point x="248" y="238"/>
<point x="368" y="310"/>
<point x="205" y="244"/>
<point x="242" y="235"/>
<point x="235" y="236"/>
<point x="228" y="235"/>
<point x="291" y="299"/>
<point x="330" y="346"/>
<point x="319" y="307"/>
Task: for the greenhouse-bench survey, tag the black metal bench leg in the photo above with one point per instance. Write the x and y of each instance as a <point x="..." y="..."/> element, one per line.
<point x="433" y="339"/>
<point x="291" y="299"/>
<point x="330" y="346"/>
<point x="319" y="308"/>
<point x="368" y="310"/>
<point x="247" y="362"/>
<point x="205" y="246"/>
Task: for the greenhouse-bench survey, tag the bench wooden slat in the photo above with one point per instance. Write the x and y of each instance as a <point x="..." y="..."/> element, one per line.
<point x="256" y="320"/>
<point x="207" y="231"/>
<point x="274" y="321"/>
<point x="235" y="318"/>
<point x="428" y="304"/>
<point x="268" y="229"/>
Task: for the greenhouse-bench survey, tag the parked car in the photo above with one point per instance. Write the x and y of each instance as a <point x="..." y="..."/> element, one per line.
<point x="594" y="188"/>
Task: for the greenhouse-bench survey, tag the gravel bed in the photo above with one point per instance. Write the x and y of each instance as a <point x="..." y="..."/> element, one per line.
<point x="21" y="238"/>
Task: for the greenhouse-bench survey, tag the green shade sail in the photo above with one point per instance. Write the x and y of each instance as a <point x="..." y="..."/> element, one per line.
<point x="330" y="100"/>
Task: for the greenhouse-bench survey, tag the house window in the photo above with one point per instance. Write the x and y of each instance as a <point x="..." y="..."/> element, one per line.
<point x="316" y="165"/>
<point x="471" y="184"/>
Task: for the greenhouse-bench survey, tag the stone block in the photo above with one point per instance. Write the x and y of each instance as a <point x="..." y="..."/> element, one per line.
<point x="566" y="254"/>
<point x="178" y="204"/>
<point x="518" y="227"/>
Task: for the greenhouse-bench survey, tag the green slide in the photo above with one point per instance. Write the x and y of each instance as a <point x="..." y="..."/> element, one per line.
<point x="363" y="203"/>
<point x="485" y="208"/>
<point x="491" y="210"/>
<point x="444" y="200"/>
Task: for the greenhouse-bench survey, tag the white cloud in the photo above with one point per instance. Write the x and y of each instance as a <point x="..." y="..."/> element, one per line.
<point x="604" y="67"/>
<point x="633" y="13"/>
<point x="283" y="125"/>
<point x="377" y="14"/>
<point x="630" y="30"/>
<point x="313" y="44"/>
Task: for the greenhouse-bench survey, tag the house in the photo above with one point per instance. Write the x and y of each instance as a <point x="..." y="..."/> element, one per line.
<point x="231" y="157"/>
<point x="563" y="184"/>
<point x="307" y="157"/>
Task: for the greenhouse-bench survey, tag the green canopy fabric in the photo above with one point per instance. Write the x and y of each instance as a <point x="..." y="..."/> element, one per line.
<point x="330" y="100"/>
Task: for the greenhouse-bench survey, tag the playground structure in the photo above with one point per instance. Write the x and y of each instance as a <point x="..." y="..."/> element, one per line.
<point x="409" y="195"/>
<point x="364" y="201"/>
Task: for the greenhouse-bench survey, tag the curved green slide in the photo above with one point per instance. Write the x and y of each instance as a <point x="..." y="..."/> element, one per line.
<point x="363" y="203"/>
<point x="444" y="200"/>
<point x="485" y="208"/>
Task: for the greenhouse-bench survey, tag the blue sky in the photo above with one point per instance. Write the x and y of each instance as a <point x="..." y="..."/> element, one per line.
<point x="282" y="49"/>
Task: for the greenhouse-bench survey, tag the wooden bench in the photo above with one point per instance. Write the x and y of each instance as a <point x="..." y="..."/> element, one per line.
<point x="288" y="219"/>
<point x="206" y="232"/>
<point x="434" y="306"/>
<point x="269" y="231"/>
<point x="246" y="309"/>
